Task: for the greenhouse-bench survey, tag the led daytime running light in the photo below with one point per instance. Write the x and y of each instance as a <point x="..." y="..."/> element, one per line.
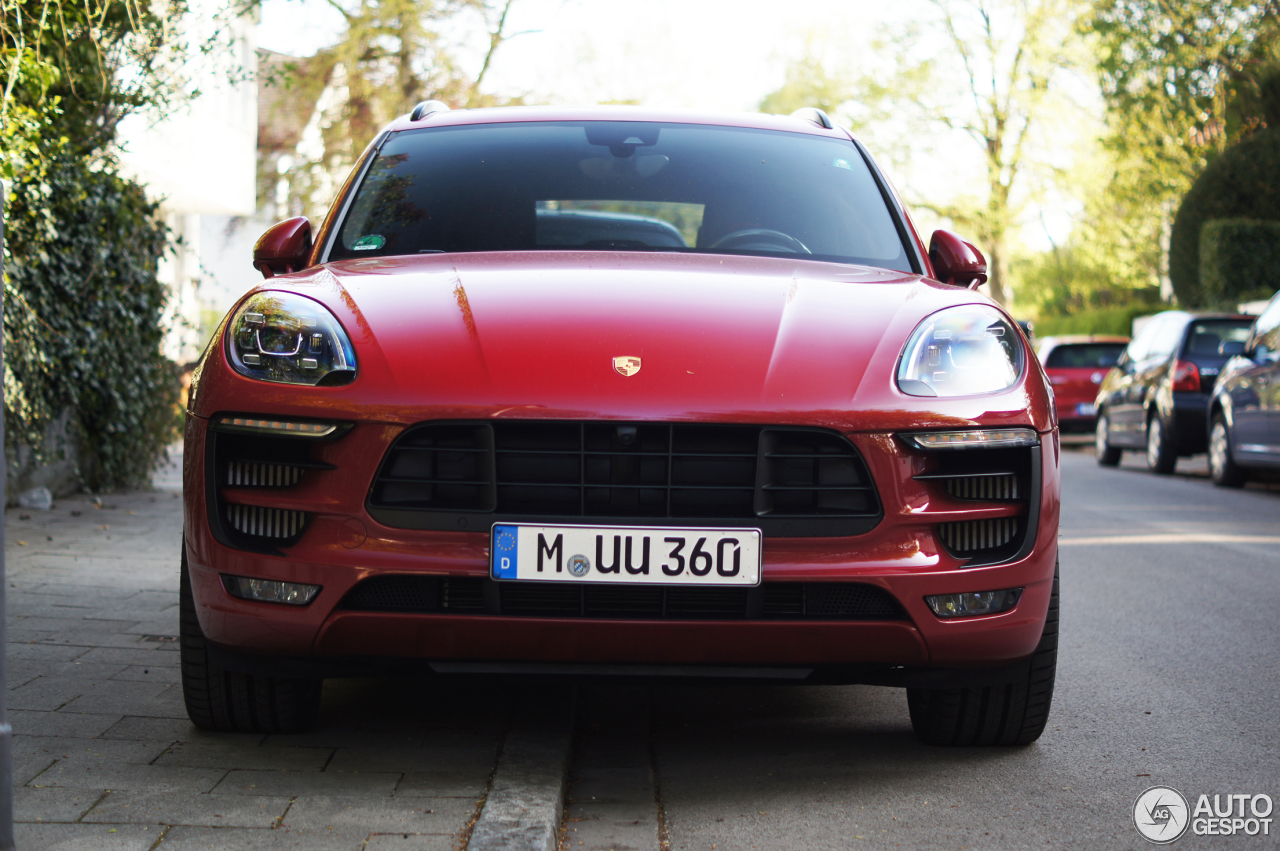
<point x="303" y="429"/>
<point x="991" y="438"/>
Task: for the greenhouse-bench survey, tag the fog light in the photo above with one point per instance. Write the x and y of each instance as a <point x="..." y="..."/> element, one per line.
<point x="990" y="438"/>
<point x="270" y="591"/>
<point x="974" y="603"/>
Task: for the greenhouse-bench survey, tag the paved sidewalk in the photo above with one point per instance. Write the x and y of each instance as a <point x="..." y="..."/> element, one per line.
<point x="105" y="757"/>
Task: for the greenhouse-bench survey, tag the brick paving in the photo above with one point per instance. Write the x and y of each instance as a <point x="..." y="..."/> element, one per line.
<point x="105" y="758"/>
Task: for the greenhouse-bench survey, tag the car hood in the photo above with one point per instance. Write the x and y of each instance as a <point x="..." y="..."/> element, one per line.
<point x="536" y="334"/>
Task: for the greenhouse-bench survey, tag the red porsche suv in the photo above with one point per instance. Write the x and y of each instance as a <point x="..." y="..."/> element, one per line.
<point x="614" y="392"/>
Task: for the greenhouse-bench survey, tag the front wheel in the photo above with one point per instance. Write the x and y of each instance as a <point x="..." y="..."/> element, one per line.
<point x="1108" y="455"/>
<point x="1160" y="455"/>
<point x="1010" y="714"/>
<point x="229" y="701"/>
<point x="1222" y="466"/>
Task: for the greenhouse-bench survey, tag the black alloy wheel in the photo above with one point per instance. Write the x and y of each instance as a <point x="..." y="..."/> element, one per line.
<point x="1222" y="465"/>
<point x="229" y="701"/>
<point x="1108" y="455"/>
<point x="1009" y="714"/>
<point x="1160" y="455"/>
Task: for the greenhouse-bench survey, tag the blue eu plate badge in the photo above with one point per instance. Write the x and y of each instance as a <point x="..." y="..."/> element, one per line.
<point x="505" y="551"/>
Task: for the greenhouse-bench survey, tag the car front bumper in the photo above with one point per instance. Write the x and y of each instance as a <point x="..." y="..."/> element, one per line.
<point x="343" y="546"/>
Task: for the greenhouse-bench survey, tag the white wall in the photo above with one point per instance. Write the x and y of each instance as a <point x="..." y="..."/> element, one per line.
<point x="199" y="161"/>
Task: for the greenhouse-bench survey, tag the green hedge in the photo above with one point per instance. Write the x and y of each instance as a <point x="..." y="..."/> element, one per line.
<point x="1109" y="320"/>
<point x="1242" y="183"/>
<point x="83" y="319"/>
<point x="1239" y="260"/>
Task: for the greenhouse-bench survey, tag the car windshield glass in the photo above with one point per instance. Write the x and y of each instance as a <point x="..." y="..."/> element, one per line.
<point x="629" y="186"/>
<point x="1205" y="338"/>
<point x="1084" y="356"/>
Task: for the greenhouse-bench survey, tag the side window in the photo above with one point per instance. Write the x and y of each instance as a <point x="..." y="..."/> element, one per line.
<point x="1169" y="338"/>
<point x="1266" y="333"/>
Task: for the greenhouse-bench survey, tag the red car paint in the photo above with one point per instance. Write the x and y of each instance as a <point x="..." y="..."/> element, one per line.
<point x="1075" y="386"/>
<point x="531" y="335"/>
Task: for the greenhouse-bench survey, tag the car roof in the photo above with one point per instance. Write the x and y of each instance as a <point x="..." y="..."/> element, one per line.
<point x="507" y="114"/>
<point x="1066" y="339"/>
<point x="1205" y="314"/>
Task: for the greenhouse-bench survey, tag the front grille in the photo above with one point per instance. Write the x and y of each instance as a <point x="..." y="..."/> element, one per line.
<point x="248" y="474"/>
<point x="468" y="475"/>
<point x="771" y="601"/>
<point x="973" y="536"/>
<point x="260" y="522"/>
<point x="996" y="487"/>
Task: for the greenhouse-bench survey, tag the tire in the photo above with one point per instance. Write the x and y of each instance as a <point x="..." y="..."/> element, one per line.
<point x="1009" y="714"/>
<point x="1160" y="455"/>
<point x="229" y="701"/>
<point x="1222" y="466"/>
<point x="1108" y="455"/>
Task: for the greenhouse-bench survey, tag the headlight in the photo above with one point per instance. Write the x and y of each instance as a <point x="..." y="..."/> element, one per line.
<point x="961" y="351"/>
<point x="278" y="336"/>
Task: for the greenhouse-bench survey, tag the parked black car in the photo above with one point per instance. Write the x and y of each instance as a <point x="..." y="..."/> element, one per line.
<point x="1156" y="397"/>
<point x="1244" y="411"/>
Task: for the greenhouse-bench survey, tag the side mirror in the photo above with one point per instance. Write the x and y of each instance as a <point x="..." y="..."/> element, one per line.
<point x="956" y="260"/>
<point x="1231" y="348"/>
<point x="283" y="248"/>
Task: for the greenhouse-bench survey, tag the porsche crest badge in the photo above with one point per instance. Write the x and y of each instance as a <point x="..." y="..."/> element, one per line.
<point x="626" y="365"/>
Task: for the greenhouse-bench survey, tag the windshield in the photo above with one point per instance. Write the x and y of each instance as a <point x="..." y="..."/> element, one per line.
<point x="620" y="186"/>
<point x="1084" y="356"/>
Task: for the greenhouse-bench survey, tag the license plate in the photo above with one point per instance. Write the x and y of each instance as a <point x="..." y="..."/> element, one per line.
<point x="1086" y="409"/>
<point x="627" y="555"/>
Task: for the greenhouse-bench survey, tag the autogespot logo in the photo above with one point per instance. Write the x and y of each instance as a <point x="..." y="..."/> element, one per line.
<point x="1161" y="815"/>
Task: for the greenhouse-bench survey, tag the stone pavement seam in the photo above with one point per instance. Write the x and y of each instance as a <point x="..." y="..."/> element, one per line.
<point x="101" y="798"/>
<point x="160" y="838"/>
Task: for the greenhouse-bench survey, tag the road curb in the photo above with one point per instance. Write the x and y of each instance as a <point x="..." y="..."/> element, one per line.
<point x="524" y="806"/>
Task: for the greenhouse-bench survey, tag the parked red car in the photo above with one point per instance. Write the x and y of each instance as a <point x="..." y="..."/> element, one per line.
<point x="614" y="391"/>
<point x="1076" y="365"/>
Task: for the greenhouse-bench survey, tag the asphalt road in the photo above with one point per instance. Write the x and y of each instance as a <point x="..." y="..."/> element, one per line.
<point x="1167" y="676"/>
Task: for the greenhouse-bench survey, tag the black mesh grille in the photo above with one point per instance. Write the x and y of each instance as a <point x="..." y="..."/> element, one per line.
<point x="771" y="601"/>
<point x="971" y="536"/>
<point x="787" y="481"/>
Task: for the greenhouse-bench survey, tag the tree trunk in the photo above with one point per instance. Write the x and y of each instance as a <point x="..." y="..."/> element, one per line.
<point x="995" y="270"/>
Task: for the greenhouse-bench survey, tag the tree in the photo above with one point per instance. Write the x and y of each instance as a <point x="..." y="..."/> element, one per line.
<point x="1182" y="83"/>
<point x="984" y="70"/>
<point x="392" y="55"/>
<point x="1181" y="79"/>
<point x="71" y="71"/>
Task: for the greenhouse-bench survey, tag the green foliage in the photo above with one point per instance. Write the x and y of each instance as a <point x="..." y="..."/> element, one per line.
<point x="1239" y="260"/>
<point x="80" y="67"/>
<point x="1243" y="183"/>
<point x="1182" y="81"/>
<point x="82" y="326"/>
<point x="993" y="72"/>
<point x="808" y="83"/>
<point x="1085" y="275"/>
<point x="1107" y="320"/>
